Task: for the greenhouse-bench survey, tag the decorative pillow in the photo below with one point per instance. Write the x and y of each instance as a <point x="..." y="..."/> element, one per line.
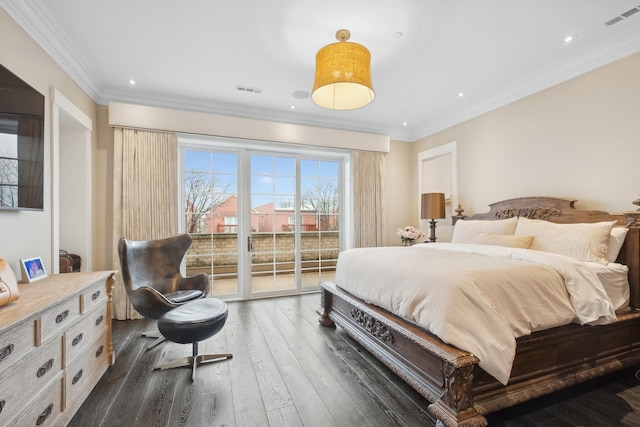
<point x="583" y="241"/>
<point x="466" y="231"/>
<point x="616" y="240"/>
<point x="504" y="240"/>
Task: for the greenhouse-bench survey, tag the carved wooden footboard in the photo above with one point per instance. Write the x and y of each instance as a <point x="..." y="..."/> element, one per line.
<point x="460" y="392"/>
<point x="441" y="373"/>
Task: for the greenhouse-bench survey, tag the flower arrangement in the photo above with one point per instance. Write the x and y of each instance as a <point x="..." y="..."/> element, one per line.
<point x="409" y="234"/>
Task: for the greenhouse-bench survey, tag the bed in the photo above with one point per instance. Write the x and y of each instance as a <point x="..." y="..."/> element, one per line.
<point x="459" y="390"/>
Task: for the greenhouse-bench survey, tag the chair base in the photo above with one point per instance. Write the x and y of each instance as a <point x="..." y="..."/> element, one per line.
<point x="193" y="361"/>
<point x="159" y="339"/>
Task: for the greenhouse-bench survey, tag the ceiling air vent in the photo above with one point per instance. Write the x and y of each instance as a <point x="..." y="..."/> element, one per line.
<point x="248" y="89"/>
<point x="622" y="16"/>
<point x="614" y="20"/>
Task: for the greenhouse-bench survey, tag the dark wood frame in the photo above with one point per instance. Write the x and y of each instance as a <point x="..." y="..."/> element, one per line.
<point x="460" y="392"/>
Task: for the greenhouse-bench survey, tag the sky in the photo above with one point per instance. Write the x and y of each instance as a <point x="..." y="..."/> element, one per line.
<point x="273" y="178"/>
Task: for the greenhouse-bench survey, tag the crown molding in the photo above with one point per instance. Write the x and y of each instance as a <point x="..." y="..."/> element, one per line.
<point x="35" y="20"/>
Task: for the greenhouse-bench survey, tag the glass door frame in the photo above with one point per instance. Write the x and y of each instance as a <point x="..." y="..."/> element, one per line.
<point x="244" y="149"/>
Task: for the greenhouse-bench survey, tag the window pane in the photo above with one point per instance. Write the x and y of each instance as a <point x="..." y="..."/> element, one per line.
<point x="285" y="166"/>
<point x="197" y="161"/>
<point x="225" y="163"/>
<point x="285" y="185"/>
<point x="308" y="168"/>
<point x="329" y="170"/>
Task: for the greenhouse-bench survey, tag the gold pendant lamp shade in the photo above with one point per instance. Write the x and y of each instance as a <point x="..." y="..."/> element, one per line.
<point x="343" y="75"/>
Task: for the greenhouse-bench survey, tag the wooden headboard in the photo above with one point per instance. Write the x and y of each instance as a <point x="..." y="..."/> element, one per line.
<point x="563" y="211"/>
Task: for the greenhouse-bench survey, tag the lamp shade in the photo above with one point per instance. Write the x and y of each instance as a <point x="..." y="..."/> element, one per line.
<point x="343" y="75"/>
<point x="432" y="206"/>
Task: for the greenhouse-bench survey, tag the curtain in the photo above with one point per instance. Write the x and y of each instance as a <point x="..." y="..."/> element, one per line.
<point x="145" y="196"/>
<point x="369" y="176"/>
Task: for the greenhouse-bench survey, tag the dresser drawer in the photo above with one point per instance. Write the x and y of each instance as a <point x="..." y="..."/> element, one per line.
<point x="34" y="375"/>
<point x="16" y="344"/>
<point x="85" y="331"/>
<point x="46" y="409"/>
<point x="58" y="317"/>
<point x="80" y="371"/>
<point x="93" y="296"/>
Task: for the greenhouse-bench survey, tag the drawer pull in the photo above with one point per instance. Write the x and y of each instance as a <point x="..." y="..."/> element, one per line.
<point x="45" y="368"/>
<point x="99" y="351"/>
<point x="76" y="340"/>
<point x="77" y="377"/>
<point x="95" y="295"/>
<point x="2" y="403"/>
<point x="6" y="352"/>
<point x="60" y="317"/>
<point x="44" y="415"/>
<point x="99" y="319"/>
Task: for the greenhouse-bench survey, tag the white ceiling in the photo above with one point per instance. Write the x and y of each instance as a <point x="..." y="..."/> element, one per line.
<point x="193" y="54"/>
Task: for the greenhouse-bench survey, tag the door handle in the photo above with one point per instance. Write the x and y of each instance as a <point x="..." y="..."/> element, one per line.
<point x="249" y="244"/>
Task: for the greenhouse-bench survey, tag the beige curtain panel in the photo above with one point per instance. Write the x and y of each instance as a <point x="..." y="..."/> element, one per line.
<point x="369" y="176"/>
<point x="145" y="196"/>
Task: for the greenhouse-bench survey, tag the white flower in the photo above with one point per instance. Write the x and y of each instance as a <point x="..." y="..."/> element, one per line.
<point x="409" y="232"/>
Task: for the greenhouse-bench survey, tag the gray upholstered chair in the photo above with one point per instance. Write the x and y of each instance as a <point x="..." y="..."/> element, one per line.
<point x="151" y="274"/>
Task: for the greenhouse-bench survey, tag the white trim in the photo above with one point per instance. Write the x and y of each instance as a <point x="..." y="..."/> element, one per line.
<point x="81" y="122"/>
<point x="70" y="108"/>
<point x="450" y="149"/>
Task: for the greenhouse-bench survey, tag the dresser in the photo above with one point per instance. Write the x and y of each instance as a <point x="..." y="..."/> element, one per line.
<point x="55" y="345"/>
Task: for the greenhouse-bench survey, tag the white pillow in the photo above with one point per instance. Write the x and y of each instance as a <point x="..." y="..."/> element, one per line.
<point x="466" y="231"/>
<point x="616" y="240"/>
<point x="583" y="241"/>
<point x="504" y="240"/>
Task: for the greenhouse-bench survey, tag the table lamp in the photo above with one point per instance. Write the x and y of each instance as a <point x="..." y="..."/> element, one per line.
<point x="432" y="207"/>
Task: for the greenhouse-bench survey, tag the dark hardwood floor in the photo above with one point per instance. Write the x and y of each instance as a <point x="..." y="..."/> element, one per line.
<point x="287" y="370"/>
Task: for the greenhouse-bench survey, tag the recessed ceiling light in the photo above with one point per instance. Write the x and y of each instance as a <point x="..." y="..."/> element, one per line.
<point x="397" y="35"/>
<point x="460" y="94"/>
<point x="293" y="107"/>
<point x="132" y="82"/>
<point x="570" y="38"/>
<point x="404" y="123"/>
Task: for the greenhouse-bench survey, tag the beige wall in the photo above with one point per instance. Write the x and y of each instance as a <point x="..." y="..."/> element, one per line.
<point x="579" y="139"/>
<point x="24" y="234"/>
<point x="103" y="249"/>
<point x="400" y="209"/>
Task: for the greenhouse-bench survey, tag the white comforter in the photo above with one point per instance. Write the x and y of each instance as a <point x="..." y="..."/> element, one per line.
<point x="479" y="298"/>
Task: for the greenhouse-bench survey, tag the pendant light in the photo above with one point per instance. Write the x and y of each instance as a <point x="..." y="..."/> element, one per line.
<point x="343" y="75"/>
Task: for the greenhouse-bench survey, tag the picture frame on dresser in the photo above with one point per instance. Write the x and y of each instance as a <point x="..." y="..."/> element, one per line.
<point x="32" y="269"/>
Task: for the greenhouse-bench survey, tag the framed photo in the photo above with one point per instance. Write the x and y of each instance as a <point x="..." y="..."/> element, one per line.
<point x="32" y="269"/>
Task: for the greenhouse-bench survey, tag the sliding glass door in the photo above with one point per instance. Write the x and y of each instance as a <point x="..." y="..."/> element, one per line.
<point x="294" y="221"/>
<point x="263" y="222"/>
<point x="320" y="217"/>
<point x="211" y="203"/>
<point x="273" y="231"/>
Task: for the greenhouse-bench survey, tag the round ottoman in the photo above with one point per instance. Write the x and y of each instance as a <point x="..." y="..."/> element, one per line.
<point x="191" y="323"/>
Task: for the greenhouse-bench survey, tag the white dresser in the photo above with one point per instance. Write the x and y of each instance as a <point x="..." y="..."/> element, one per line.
<point x="55" y="345"/>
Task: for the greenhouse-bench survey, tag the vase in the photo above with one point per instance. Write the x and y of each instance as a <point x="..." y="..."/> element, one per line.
<point x="407" y="242"/>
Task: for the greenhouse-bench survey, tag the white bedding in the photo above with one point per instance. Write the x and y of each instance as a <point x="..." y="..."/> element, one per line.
<point x="615" y="280"/>
<point x="479" y="298"/>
